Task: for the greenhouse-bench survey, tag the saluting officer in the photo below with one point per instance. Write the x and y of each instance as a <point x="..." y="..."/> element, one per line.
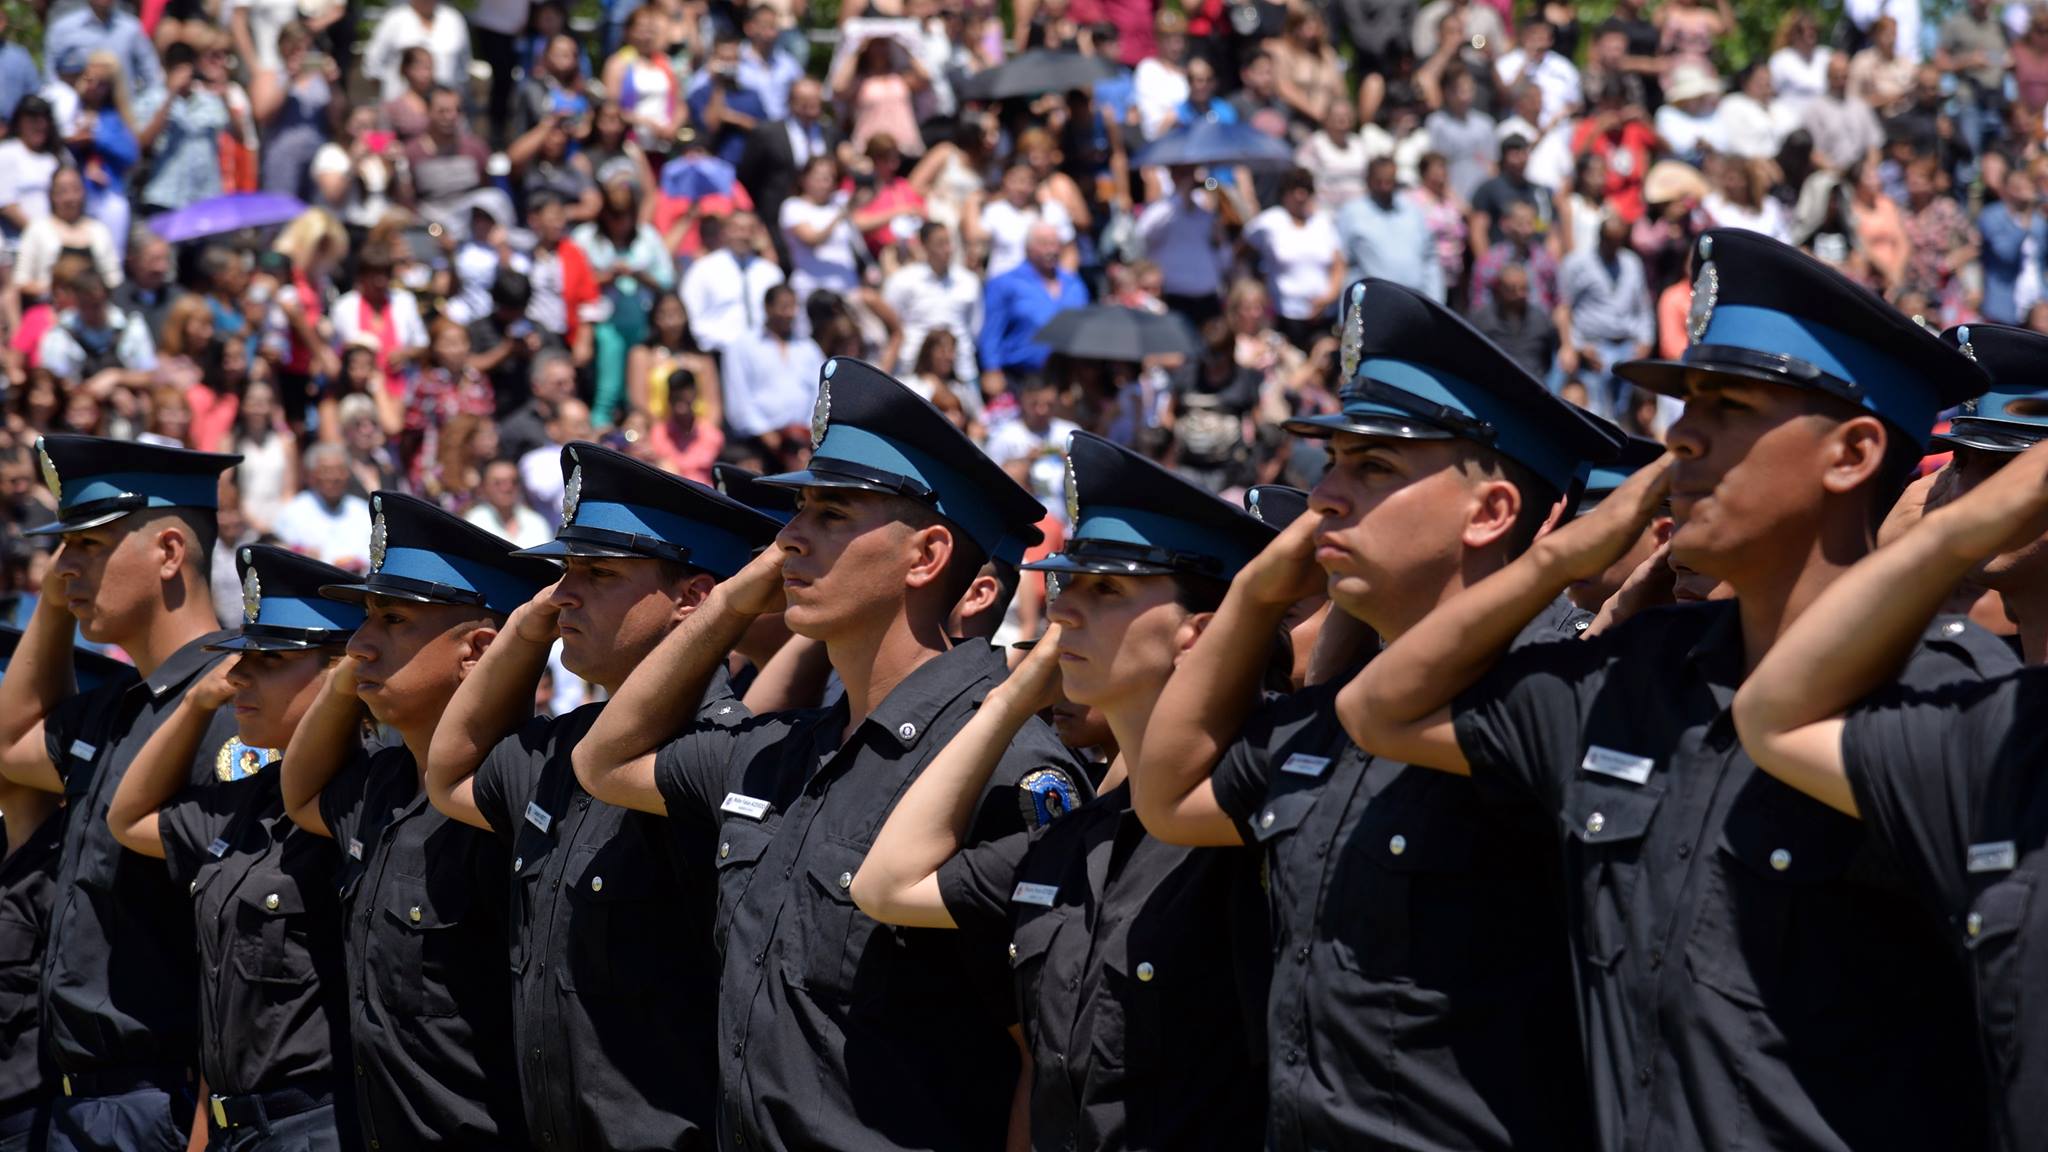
<point x="1950" y="782"/>
<point x="1752" y="969"/>
<point x="1598" y="483"/>
<point x="835" y="1031"/>
<point x="31" y="836"/>
<point x="273" y="1005"/>
<point x="119" y="1015"/>
<point x="1140" y="967"/>
<point x="1420" y="995"/>
<point x="615" y="984"/>
<point x="430" y="992"/>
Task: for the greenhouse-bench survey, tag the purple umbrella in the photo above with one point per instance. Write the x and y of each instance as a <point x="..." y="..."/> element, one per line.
<point x="695" y="177"/>
<point x="226" y="214"/>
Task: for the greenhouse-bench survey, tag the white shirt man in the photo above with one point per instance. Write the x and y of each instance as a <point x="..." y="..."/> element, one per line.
<point x="1553" y="75"/>
<point x="723" y="295"/>
<point x="325" y="521"/>
<point x="442" y="32"/>
<point x="927" y="299"/>
<point x="771" y="376"/>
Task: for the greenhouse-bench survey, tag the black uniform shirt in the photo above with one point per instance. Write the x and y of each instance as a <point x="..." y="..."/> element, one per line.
<point x="1140" y="970"/>
<point x="27" y="882"/>
<point x="835" y="1031"/>
<point x="1421" y="995"/>
<point x="272" y="993"/>
<point x="1952" y="780"/>
<point x="615" y="984"/>
<point x="105" y="1008"/>
<point x="430" y="994"/>
<point x="1752" y="970"/>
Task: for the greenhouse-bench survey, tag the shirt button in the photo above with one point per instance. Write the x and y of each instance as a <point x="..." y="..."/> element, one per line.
<point x="1145" y="973"/>
<point x="846" y="880"/>
<point x="1952" y="628"/>
<point x="518" y="862"/>
<point x="1974" y="924"/>
<point x="1293" y="1057"/>
<point x="597" y="883"/>
<point x="193" y="890"/>
<point x="908" y="731"/>
<point x="1780" y="859"/>
<point x="1656" y="958"/>
<point x="270" y="901"/>
<point x="414" y="914"/>
<point x="1266" y="818"/>
<point x="1595" y="823"/>
<point x="1397" y="845"/>
<point x="725" y="850"/>
<point x="738" y="1047"/>
<point x="1643" y="1075"/>
<point x="759" y="957"/>
<point x="1013" y="951"/>
<point x="1301" y="954"/>
<point x="1684" y="850"/>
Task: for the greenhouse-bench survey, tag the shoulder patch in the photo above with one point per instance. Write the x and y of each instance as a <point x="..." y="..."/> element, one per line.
<point x="238" y="761"/>
<point x="1045" y="795"/>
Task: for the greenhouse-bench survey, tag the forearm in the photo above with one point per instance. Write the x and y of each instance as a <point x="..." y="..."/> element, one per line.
<point x="662" y="694"/>
<point x="156" y="775"/>
<point x="898" y="881"/>
<point x="492" y="702"/>
<point x="39" y="674"/>
<point x="329" y="734"/>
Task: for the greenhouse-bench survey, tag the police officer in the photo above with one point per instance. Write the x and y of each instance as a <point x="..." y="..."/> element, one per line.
<point x="1279" y="505"/>
<point x="137" y="522"/>
<point x="615" y="984"/>
<point x="1599" y="482"/>
<point x="31" y="836"/>
<point x="1949" y="782"/>
<point x="424" y="897"/>
<point x="1419" y="998"/>
<point x="1752" y="970"/>
<point x="834" y="1030"/>
<point x="273" y="1010"/>
<point x="1140" y="967"/>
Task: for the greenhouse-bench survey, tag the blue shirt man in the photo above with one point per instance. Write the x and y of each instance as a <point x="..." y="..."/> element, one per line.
<point x="1385" y="235"/>
<point x="2015" y="245"/>
<point x="101" y="27"/>
<point x="765" y="69"/>
<point x="743" y="106"/>
<point x="1020" y="301"/>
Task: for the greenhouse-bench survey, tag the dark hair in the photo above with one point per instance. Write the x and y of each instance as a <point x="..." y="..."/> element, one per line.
<point x="541" y="198"/>
<point x="375" y="258"/>
<point x="511" y="289"/>
<point x="776" y="292"/>
<point x="680" y="380"/>
<point x="32" y="106"/>
<point x="1198" y="593"/>
<point x="180" y="52"/>
<point x="925" y="354"/>
<point x="442" y="90"/>
<point x="1297" y="180"/>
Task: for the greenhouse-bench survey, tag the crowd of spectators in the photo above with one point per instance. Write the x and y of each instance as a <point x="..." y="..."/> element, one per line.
<point x="649" y="224"/>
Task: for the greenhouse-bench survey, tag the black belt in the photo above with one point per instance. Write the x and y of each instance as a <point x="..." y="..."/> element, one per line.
<point x="116" y="1081"/>
<point x="260" y="1108"/>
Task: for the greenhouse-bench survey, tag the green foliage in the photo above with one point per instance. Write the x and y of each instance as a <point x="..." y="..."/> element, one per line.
<point x="1755" y="22"/>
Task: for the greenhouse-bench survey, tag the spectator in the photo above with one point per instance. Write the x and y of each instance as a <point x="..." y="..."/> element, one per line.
<point x="2030" y="61"/>
<point x="1182" y="234"/>
<point x="1031" y="444"/>
<point x="550" y="381"/>
<point x="1019" y="302"/>
<point x="817" y="227"/>
<point x="445" y="387"/>
<point x="2015" y="244"/>
<point x="1482" y="35"/>
<point x="1973" y="49"/>
<point x="1881" y="75"/>
<point x="186" y="122"/>
<point x="1880" y="230"/>
<point x="1257" y="99"/>
<point x="1526" y="333"/>
<point x="446" y="165"/>
<point x="1302" y="257"/>
<point x="1159" y="84"/>
<point x="1490" y="203"/>
<point x="1311" y="77"/>
<point x="630" y="262"/>
<point x="386" y="318"/>
<point x="438" y="28"/>
<point x="1604" y="315"/>
<point x="269" y="472"/>
<point x="777" y="150"/>
<point x="540" y="469"/>
<point x="1687" y="122"/>
<point x="101" y="25"/>
<point x="1444" y="214"/>
<point x="564" y="290"/>
<point x="1690" y="30"/>
<point x="1578" y="214"/>
<point x="935" y="377"/>
<point x="1752" y="122"/>
<point x="1845" y="129"/>
<point x="936" y="294"/>
<point x="765" y="65"/>
<point x="1940" y="238"/>
<point x="723" y="290"/>
<point x="1335" y="154"/>
<point x="1740" y="199"/>
<point x="1519" y="244"/>
<point x="555" y="90"/>
<point x="653" y="363"/>
<point x="1205" y="103"/>
<point x="771" y="377"/>
<point x="29" y="159"/>
<point x="503" y="342"/>
<point x="888" y="209"/>
<point x="406" y="111"/>
<point x="685" y="441"/>
<point x="1464" y="136"/>
<point x="877" y="85"/>
<point x="147" y="288"/>
<point x="1617" y="130"/>
<point x="1534" y="62"/>
<point x="1799" y="63"/>
<point x="1385" y="235"/>
<point x="644" y="84"/>
<point x="501" y="507"/>
<point x="353" y="174"/>
<point x="1007" y="220"/>
<point x="18" y="74"/>
<point x="94" y="343"/>
<point x="292" y="106"/>
<point x="325" y="520"/>
<point x="725" y="111"/>
<point x="65" y="228"/>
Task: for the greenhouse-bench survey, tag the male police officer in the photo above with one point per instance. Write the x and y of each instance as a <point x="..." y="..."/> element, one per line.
<point x="1949" y="781"/>
<point x="1599" y="483"/>
<point x="1751" y="970"/>
<point x="430" y="997"/>
<point x="614" y="980"/>
<point x="835" y="1031"/>
<point x="119" y="1013"/>
<point x="1419" y="1000"/>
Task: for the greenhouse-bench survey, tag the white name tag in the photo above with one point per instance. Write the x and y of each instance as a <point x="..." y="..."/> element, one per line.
<point x="1620" y="765"/>
<point x="2002" y="856"/>
<point x="80" y="750"/>
<point x="1302" y="764"/>
<point x="752" y="807"/>
<point x="1039" y="894"/>
<point x="355" y="849"/>
<point x="538" y="816"/>
<point x="218" y="848"/>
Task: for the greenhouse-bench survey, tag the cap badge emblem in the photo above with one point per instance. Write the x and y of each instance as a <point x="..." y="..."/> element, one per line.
<point x="1963" y="342"/>
<point x="1353" y="340"/>
<point x="1251" y="504"/>
<point x="50" y="477"/>
<point x="572" y="495"/>
<point x="252" y="596"/>
<point x="1706" y="289"/>
<point x="1073" y="494"/>
<point x="379" y="540"/>
<point x="821" y="414"/>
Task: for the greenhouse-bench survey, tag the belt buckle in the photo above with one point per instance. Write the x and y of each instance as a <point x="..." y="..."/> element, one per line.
<point x="67" y="1085"/>
<point x="220" y="1112"/>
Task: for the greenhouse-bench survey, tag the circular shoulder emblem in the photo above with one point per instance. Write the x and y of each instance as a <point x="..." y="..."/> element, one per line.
<point x="239" y="761"/>
<point x="1045" y="795"/>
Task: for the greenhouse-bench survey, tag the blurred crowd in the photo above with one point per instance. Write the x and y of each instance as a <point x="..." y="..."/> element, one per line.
<point x="421" y="247"/>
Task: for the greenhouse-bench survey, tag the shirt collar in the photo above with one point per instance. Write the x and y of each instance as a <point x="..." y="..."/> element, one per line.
<point x="1717" y="652"/>
<point x="908" y="711"/>
<point x="184" y="664"/>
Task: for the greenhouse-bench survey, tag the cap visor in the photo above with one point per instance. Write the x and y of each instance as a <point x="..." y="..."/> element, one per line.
<point x="1063" y="563"/>
<point x="242" y="643"/>
<point x="66" y="524"/>
<point x="1667" y="377"/>
<point x="556" y="549"/>
<point x="357" y="593"/>
<point x="1324" y="427"/>
<point x="1984" y="441"/>
<point x="810" y="479"/>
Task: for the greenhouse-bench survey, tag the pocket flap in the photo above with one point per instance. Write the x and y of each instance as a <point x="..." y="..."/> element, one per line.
<point x="831" y="868"/>
<point x="612" y="873"/>
<point x="413" y="906"/>
<point x="1428" y="837"/>
<point x="277" y="896"/>
<point x="17" y="942"/>
<point x="1282" y="814"/>
<point x="1033" y="936"/>
<point x="2000" y="910"/>
<point x="1597" y="812"/>
<point x="740" y="844"/>
<point x="1790" y="838"/>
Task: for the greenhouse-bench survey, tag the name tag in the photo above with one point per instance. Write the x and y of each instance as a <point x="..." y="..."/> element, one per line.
<point x="1620" y="765"/>
<point x="1302" y="764"/>
<point x="752" y="807"/>
<point x="80" y="750"/>
<point x="355" y="849"/>
<point x="218" y="848"/>
<point x="538" y="816"/>
<point x="2002" y="856"/>
<point x="1039" y="894"/>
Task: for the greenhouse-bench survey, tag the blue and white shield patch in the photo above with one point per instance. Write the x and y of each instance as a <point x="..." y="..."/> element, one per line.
<point x="1046" y="795"/>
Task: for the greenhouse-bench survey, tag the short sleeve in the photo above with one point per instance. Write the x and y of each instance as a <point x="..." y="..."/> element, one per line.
<point x="1243" y="777"/>
<point x="690" y="770"/>
<point x="61" y="732"/>
<point x="505" y="776"/>
<point x="342" y="799"/>
<point x="194" y="820"/>
<point x="977" y="882"/>
<point x="1522" y="725"/>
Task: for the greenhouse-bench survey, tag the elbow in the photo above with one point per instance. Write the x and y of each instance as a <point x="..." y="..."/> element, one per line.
<point x="593" y="773"/>
<point x="134" y="835"/>
<point x="1754" y="724"/>
<point x="870" y="895"/>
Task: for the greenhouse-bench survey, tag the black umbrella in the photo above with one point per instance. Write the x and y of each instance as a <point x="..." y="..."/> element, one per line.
<point x="1035" y="73"/>
<point x="1211" y="145"/>
<point x="1104" y="332"/>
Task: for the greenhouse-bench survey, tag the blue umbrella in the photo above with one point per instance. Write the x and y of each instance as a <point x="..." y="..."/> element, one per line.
<point x="226" y="214"/>
<point x="1212" y="145"/>
<point x="695" y="177"/>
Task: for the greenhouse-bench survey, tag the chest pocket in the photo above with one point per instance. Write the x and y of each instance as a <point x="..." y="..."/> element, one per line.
<point x="1996" y="933"/>
<point x="271" y="932"/>
<point x="1030" y="952"/>
<point x="740" y="844"/>
<point x="20" y="975"/>
<point x="529" y="860"/>
<point x="1281" y="817"/>
<point x="1608" y="824"/>
<point x="1399" y="902"/>
<point x="99" y="855"/>
<point x="828" y="952"/>
<point x="616" y="927"/>
<point x="1774" y="915"/>
<point x="422" y="943"/>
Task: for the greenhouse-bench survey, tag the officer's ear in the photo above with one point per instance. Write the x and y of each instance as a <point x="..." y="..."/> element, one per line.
<point x="1661" y="529"/>
<point x="1190" y="630"/>
<point x="1495" y="509"/>
<point x="690" y="592"/>
<point x="930" y="549"/>
<point x="473" y="645"/>
<point x="1853" y="454"/>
